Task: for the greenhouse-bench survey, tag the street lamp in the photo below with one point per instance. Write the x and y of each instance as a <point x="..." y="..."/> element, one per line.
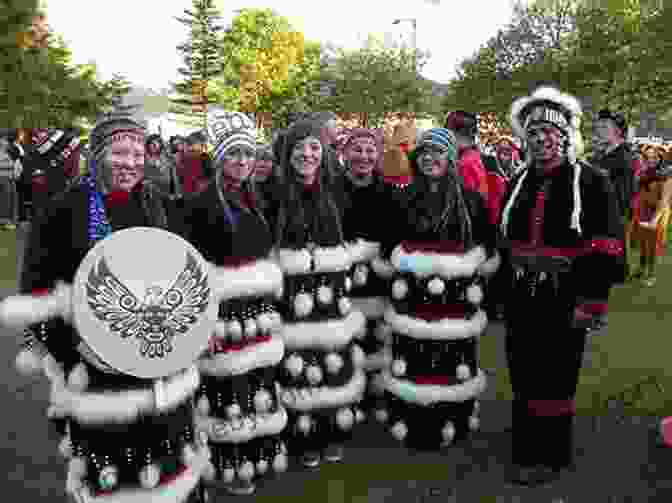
<point x="414" y="24"/>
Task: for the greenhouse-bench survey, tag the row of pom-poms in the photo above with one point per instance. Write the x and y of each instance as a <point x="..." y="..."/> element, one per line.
<point x="345" y="418"/>
<point x="399" y="430"/>
<point x="247" y="470"/>
<point x="436" y="286"/>
<point x="235" y="331"/>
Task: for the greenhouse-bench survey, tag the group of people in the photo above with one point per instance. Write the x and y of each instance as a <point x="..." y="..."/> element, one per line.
<point x="341" y="295"/>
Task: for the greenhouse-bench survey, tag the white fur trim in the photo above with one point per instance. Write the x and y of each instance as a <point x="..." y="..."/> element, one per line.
<point x="373" y="308"/>
<point x="363" y="251"/>
<point x="428" y="394"/>
<point x="175" y="491"/>
<point x="332" y="259"/>
<point x="233" y="363"/>
<point x="448" y="266"/>
<point x="504" y="224"/>
<point x="17" y="312"/>
<point x="260" y="278"/>
<point x="490" y="266"/>
<point x="382" y="268"/>
<point x="125" y="406"/>
<point x="254" y="426"/>
<point x="306" y="399"/>
<point x="329" y="334"/>
<point x="444" y="329"/>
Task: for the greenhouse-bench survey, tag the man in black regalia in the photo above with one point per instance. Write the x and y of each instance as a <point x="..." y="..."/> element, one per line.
<point x="563" y="231"/>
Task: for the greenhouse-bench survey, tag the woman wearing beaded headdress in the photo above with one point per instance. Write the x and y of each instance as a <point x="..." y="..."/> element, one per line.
<point x="322" y="375"/>
<point x="564" y="235"/>
<point x="237" y="402"/>
<point x="440" y="247"/>
<point x="134" y="457"/>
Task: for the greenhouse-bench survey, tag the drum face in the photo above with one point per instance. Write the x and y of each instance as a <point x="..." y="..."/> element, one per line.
<point x="143" y="303"/>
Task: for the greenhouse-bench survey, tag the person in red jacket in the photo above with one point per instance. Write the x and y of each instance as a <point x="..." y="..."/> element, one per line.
<point x="469" y="165"/>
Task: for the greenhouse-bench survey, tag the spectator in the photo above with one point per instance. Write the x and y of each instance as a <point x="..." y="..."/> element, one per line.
<point x="469" y="165"/>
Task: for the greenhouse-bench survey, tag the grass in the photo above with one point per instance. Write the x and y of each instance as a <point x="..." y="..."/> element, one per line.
<point x="8" y="261"/>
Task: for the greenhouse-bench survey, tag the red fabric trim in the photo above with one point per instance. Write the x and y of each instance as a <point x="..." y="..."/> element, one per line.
<point x="117" y="198"/>
<point x="164" y="480"/>
<point x="398" y="180"/>
<point x="593" y="308"/>
<point x="219" y="345"/>
<point x="551" y="408"/>
<point x="537" y="219"/>
<point x="435" y="312"/>
<point x="39" y="183"/>
<point x="612" y="247"/>
<point x="235" y="262"/>
<point x="607" y="246"/>
<point x="432" y="380"/>
<point x="447" y="247"/>
<point x="39" y="292"/>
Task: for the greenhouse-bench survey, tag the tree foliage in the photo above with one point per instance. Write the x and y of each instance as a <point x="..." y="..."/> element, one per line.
<point x="40" y="86"/>
<point x="202" y="60"/>
<point x="373" y="81"/>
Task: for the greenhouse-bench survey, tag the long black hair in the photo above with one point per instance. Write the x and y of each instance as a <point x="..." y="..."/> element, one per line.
<point x="292" y="218"/>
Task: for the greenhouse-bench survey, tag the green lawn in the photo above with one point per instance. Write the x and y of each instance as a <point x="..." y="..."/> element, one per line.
<point x="7" y="259"/>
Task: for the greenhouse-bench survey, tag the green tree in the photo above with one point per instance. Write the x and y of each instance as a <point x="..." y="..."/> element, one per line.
<point x="202" y="60"/>
<point x="375" y="80"/>
<point x="40" y="86"/>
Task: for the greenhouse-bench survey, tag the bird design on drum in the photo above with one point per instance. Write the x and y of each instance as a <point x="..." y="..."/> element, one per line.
<point x="159" y="317"/>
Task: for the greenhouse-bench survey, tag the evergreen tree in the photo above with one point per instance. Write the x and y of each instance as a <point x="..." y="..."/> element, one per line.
<point x="202" y="60"/>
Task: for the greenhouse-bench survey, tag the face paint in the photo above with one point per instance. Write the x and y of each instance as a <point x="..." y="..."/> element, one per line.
<point x="434" y="161"/>
<point x="363" y="155"/>
<point x="124" y="163"/>
<point x="546" y="143"/>
<point x="605" y="134"/>
<point x="237" y="164"/>
<point x="306" y="158"/>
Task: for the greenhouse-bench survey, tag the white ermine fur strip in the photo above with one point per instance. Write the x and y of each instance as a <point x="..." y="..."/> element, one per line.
<point x="444" y="265"/>
<point x="363" y="251"/>
<point x="259" y="425"/>
<point x="260" y="278"/>
<point x="333" y="259"/>
<point x="490" y="266"/>
<point x="445" y="329"/>
<point x="306" y="399"/>
<point x="373" y="308"/>
<point x="428" y="394"/>
<point x="19" y="311"/>
<point x="382" y="268"/>
<point x="329" y="334"/>
<point x="263" y="354"/>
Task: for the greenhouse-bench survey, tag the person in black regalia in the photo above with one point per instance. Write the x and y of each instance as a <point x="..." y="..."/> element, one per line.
<point x="563" y="230"/>
<point x="322" y="376"/>
<point x="441" y="247"/>
<point x="237" y="401"/>
<point x="112" y="197"/>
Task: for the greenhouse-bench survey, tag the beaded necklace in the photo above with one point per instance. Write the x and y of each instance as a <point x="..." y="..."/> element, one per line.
<point x="99" y="223"/>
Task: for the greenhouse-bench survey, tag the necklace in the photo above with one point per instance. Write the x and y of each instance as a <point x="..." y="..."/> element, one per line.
<point x="99" y="223"/>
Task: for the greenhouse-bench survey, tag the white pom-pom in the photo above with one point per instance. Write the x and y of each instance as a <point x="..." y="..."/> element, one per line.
<point x="448" y="433"/>
<point x="474" y="423"/>
<point x="233" y="411"/>
<point x="314" y="375"/>
<point x="333" y="362"/>
<point x="358" y="357"/>
<point x="78" y="380"/>
<point x="150" y="476"/>
<point x="77" y="467"/>
<point x="383" y="331"/>
<point x="382" y="415"/>
<point x="344" y="306"/>
<point x="463" y="372"/>
<point x="265" y="323"/>
<point x="399" y="289"/>
<point x="399" y="368"/>
<point x="474" y="294"/>
<point x="203" y="406"/>
<point x="108" y="478"/>
<point x="303" y="305"/>
<point x="276" y="321"/>
<point x="251" y="328"/>
<point x="262" y="401"/>
<point x="345" y="419"/>
<point x="262" y="466"/>
<point x="348" y="284"/>
<point x="234" y="330"/>
<point x="304" y="424"/>
<point x="436" y="286"/>
<point x="361" y="274"/>
<point x="220" y="329"/>
<point x="294" y="365"/>
<point x="325" y="295"/>
<point x="28" y="362"/>
<point x="359" y="415"/>
<point x="65" y="447"/>
<point x="228" y="475"/>
<point x="280" y="463"/>
<point x="399" y="430"/>
<point x="246" y="471"/>
<point x="477" y="406"/>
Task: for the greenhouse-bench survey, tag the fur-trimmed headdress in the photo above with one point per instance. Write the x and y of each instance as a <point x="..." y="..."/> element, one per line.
<point x="230" y="129"/>
<point x="550" y="105"/>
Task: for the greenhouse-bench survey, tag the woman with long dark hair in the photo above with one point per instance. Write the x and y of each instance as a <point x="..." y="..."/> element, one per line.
<point x="441" y="247"/>
<point x="322" y="376"/>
